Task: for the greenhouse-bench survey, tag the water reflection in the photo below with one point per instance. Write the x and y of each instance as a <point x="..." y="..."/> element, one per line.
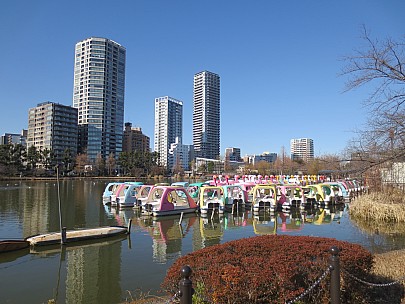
<point x="265" y="223"/>
<point x="167" y="234"/>
<point x="212" y="229"/>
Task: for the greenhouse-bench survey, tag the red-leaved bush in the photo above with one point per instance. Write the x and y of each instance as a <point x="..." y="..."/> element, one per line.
<point x="272" y="269"/>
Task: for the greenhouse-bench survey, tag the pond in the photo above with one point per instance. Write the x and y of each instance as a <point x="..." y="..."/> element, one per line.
<point x="117" y="269"/>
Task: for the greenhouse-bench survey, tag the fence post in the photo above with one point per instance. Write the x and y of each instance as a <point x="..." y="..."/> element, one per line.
<point x="335" y="276"/>
<point x="185" y="286"/>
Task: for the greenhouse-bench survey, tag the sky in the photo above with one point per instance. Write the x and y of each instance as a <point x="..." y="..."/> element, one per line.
<point x="280" y="62"/>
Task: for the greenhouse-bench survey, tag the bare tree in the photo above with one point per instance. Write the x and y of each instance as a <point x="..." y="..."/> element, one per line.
<point x="111" y="164"/>
<point x="380" y="65"/>
<point x="81" y="161"/>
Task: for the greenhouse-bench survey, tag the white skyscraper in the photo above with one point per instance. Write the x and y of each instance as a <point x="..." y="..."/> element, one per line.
<point x="168" y="127"/>
<point x="98" y="94"/>
<point x="206" y="115"/>
<point x="302" y="148"/>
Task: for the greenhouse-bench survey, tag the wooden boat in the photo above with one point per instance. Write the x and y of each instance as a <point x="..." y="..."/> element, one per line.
<point x="13" y="245"/>
<point x="77" y="235"/>
<point x="52" y="249"/>
<point x="68" y="236"/>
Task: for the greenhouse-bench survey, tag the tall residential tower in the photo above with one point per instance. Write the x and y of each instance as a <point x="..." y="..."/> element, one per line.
<point x="302" y="148"/>
<point x="98" y="94"/>
<point x="206" y="115"/>
<point x="168" y="128"/>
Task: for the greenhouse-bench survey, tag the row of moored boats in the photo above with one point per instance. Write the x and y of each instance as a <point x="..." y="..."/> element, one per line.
<point x="224" y="194"/>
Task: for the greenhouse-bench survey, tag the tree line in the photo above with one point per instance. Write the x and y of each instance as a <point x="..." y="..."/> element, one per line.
<point x="17" y="160"/>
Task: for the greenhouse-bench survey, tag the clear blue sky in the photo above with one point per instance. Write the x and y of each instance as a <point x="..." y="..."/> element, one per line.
<point x="278" y="61"/>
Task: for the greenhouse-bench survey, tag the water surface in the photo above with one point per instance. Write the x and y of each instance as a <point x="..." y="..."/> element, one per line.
<point x="112" y="270"/>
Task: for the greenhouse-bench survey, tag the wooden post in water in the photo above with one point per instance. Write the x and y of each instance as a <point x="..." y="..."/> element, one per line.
<point x="181" y="218"/>
<point x="129" y="226"/>
<point x="62" y="229"/>
<point x="335" y="276"/>
<point x="63" y="236"/>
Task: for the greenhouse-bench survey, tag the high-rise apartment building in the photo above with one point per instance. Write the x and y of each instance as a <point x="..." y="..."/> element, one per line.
<point x="206" y="115"/>
<point x="168" y="127"/>
<point x="98" y="94"/>
<point x="135" y="140"/>
<point x="53" y="126"/>
<point x="302" y="148"/>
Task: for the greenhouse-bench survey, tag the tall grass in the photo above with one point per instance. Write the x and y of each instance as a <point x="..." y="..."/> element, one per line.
<point x="379" y="207"/>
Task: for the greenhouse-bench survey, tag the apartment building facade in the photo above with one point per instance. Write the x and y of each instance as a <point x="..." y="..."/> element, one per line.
<point x="168" y="128"/>
<point x="206" y="115"/>
<point x="98" y="94"/>
<point x="302" y="149"/>
<point x="54" y="127"/>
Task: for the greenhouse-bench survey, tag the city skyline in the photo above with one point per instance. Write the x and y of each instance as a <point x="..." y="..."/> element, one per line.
<point x="279" y="62"/>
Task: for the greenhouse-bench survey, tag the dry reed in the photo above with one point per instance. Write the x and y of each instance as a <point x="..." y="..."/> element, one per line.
<point x="379" y="207"/>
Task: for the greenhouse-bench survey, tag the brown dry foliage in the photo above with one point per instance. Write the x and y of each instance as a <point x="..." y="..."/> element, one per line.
<point x="379" y="207"/>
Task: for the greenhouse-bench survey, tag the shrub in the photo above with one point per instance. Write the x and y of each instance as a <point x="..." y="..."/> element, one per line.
<point x="271" y="269"/>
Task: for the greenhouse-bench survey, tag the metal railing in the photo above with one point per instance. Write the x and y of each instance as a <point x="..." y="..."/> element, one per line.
<point x="185" y="293"/>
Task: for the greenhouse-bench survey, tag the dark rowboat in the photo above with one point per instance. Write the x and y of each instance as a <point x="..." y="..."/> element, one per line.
<point x="13" y="245"/>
